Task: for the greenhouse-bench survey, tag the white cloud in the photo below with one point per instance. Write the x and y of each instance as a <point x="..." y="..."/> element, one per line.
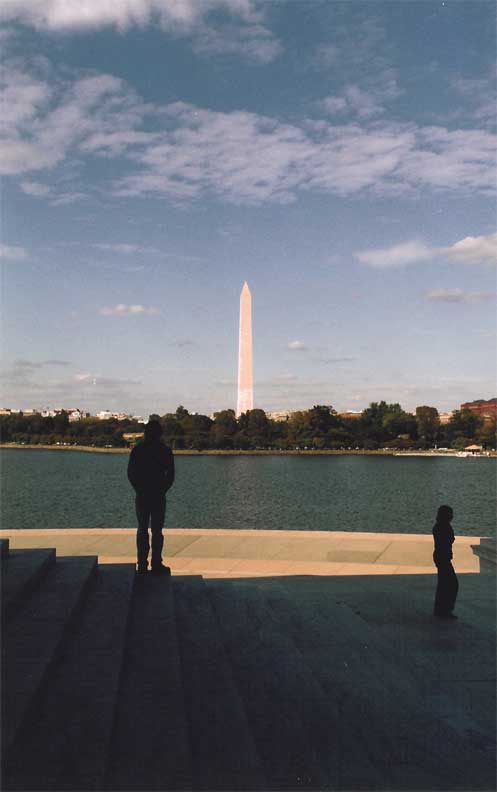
<point x="364" y="102"/>
<point x="215" y="26"/>
<point x="124" y="248"/>
<point x="45" y="124"/>
<point x="13" y="253"/>
<point x="128" y="310"/>
<point x="238" y="157"/>
<point x="38" y="190"/>
<point x="122" y="14"/>
<point x="334" y="104"/>
<point x="67" y="198"/>
<point x="35" y="188"/>
<point x="396" y="256"/>
<point x="458" y="296"/>
<point x="470" y="250"/>
<point x="473" y="250"/>
<point x="481" y="96"/>
<point x="297" y="346"/>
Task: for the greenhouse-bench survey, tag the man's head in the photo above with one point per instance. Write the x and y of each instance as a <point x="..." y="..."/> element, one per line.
<point x="444" y="514"/>
<point x="153" y="430"/>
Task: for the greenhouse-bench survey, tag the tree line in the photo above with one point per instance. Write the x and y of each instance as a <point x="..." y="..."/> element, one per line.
<point x="379" y="426"/>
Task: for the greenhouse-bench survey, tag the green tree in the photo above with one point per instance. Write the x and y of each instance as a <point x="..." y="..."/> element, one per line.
<point x="181" y="412"/>
<point x="173" y="431"/>
<point x="257" y="428"/>
<point x="196" y="430"/>
<point x="462" y="428"/>
<point x="428" y="424"/>
<point x="380" y="422"/>
<point x="223" y="429"/>
<point x="486" y="434"/>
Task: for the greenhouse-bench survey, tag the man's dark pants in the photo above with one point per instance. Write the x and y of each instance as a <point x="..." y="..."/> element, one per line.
<point x="447" y="588"/>
<point x="150" y="509"/>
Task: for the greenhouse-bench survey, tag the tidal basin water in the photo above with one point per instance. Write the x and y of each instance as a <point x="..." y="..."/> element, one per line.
<point x="71" y="489"/>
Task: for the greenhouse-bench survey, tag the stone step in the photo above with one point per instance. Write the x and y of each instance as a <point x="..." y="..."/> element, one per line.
<point x="413" y="739"/>
<point x="150" y="746"/>
<point x="282" y="698"/>
<point x="32" y="640"/>
<point x="68" y="735"/>
<point x="22" y="571"/>
<point x="4" y="548"/>
<point x="224" y="755"/>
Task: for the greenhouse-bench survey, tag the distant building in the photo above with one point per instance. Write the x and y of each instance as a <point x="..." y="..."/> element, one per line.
<point x="445" y="417"/>
<point x="280" y="415"/>
<point x="5" y="411"/>
<point x="104" y="415"/>
<point x="485" y="409"/>
<point x="77" y="415"/>
<point x="350" y="414"/>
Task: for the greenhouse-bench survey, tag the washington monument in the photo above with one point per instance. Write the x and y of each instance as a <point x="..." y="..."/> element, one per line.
<point x="245" y="377"/>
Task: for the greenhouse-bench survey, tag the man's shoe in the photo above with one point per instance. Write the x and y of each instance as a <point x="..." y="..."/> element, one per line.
<point x="141" y="569"/>
<point x="160" y="569"/>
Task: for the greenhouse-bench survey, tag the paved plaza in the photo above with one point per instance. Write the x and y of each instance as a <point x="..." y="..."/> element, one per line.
<point x="240" y="553"/>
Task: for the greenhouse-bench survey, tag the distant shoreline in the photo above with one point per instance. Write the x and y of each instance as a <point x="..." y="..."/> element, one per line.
<point x="226" y="452"/>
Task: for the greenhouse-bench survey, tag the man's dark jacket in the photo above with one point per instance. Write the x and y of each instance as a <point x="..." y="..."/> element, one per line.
<point x="151" y="469"/>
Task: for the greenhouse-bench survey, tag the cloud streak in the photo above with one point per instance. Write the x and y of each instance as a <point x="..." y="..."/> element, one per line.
<point x="128" y="310"/>
<point x="458" y="296"/>
<point x="396" y="256"/>
<point x="12" y="253"/>
<point x="470" y="250"/>
<point x="297" y="346"/>
<point x="124" y="248"/>
<point x="39" y="190"/>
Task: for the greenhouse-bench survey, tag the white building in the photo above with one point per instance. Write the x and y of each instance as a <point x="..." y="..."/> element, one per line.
<point x="280" y="415"/>
<point x="77" y="415"/>
<point x="104" y="415"/>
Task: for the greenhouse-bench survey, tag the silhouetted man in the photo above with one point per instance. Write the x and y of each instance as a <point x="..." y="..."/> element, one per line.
<point x="151" y="472"/>
<point x="447" y="583"/>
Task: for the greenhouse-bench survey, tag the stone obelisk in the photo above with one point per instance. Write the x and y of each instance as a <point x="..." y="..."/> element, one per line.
<point x="245" y="399"/>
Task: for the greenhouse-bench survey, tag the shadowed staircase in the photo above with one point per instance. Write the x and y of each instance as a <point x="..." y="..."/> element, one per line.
<point x="113" y="681"/>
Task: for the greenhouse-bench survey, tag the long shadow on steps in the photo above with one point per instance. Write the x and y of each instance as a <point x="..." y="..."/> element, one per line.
<point x="224" y="755"/>
<point x="150" y="748"/>
<point x="32" y="639"/>
<point x="68" y="734"/>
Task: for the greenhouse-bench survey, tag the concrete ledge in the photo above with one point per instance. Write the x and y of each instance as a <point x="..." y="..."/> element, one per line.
<point x="229" y="553"/>
<point x="487" y="554"/>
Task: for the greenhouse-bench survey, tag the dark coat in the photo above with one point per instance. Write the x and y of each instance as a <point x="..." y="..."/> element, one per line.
<point x="151" y="468"/>
<point x="444" y="539"/>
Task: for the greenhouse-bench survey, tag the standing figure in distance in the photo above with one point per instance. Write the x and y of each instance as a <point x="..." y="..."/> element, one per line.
<point x="151" y="473"/>
<point x="447" y="584"/>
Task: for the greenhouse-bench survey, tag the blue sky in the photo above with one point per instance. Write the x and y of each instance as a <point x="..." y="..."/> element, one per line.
<point x="340" y="157"/>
